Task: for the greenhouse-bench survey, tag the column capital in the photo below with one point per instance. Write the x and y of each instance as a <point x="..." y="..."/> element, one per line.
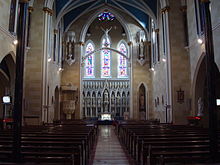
<point x="165" y="9"/>
<point x="30" y="9"/>
<point x="183" y="8"/>
<point x="55" y="31"/>
<point x="81" y="43"/>
<point x="130" y="43"/>
<point x="48" y="10"/>
<point x="156" y="30"/>
<point x="24" y="1"/>
<point x="148" y="43"/>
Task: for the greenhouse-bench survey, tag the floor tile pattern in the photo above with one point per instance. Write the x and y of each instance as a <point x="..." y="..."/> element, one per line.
<point x="109" y="150"/>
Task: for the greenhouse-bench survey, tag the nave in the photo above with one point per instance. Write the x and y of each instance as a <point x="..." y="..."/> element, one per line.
<point x="80" y="142"/>
<point x="108" y="150"/>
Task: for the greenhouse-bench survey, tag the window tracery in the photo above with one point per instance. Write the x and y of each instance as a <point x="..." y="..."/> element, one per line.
<point x="122" y="61"/>
<point x="106" y="58"/>
<point x="89" y="61"/>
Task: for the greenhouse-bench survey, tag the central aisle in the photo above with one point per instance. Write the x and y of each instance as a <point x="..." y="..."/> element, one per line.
<point x="109" y="150"/>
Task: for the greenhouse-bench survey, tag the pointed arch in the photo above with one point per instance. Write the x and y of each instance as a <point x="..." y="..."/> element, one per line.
<point x="122" y="61"/>
<point x="94" y="16"/>
<point x="89" y="61"/>
<point x="143" y="97"/>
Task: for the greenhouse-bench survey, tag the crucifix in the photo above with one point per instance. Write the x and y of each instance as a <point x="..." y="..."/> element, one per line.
<point x="106" y="32"/>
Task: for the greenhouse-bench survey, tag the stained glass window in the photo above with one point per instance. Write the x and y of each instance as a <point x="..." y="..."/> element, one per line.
<point x="122" y="61"/>
<point x="106" y="58"/>
<point x="106" y="16"/>
<point x="89" y="61"/>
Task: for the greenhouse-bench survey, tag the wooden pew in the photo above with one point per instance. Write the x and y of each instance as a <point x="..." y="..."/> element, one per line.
<point x="70" y="144"/>
<point x="165" y="143"/>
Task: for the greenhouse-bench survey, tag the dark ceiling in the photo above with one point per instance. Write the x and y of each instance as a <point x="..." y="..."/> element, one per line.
<point x="141" y="10"/>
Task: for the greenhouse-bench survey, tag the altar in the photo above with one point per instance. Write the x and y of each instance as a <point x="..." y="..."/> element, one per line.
<point x="106" y="116"/>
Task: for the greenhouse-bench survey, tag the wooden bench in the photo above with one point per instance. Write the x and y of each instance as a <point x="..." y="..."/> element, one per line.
<point x="165" y="143"/>
<point x="70" y="144"/>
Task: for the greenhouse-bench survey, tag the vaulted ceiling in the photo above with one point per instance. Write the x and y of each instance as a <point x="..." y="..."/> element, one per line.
<point x="140" y="10"/>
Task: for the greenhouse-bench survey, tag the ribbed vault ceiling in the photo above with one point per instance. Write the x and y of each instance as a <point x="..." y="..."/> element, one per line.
<point x="140" y="10"/>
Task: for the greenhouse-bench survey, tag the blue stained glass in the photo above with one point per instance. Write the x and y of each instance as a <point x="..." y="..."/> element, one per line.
<point x="106" y="16"/>
<point x="122" y="61"/>
<point x="89" y="68"/>
<point x="105" y="56"/>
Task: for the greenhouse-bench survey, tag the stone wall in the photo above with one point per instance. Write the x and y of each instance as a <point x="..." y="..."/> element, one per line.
<point x="179" y="63"/>
<point x="179" y="69"/>
<point x="33" y="67"/>
<point x="6" y="39"/>
<point x="195" y="49"/>
<point x="34" y="72"/>
<point x="6" y="47"/>
<point x="5" y="13"/>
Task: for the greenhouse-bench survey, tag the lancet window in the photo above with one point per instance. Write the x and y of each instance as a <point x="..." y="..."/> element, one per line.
<point x="106" y="58"/>
<point x="89" y="61"/>
<point x="122" y="61"/>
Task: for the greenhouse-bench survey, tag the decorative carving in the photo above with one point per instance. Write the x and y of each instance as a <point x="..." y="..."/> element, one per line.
<point x="165" y="9"/>
<point x="200" y="107"/>
<point x="70" y="48"/>
<point x="48" y="10"/>
<point x="180" y="96"/>
<point x="108" y="97"/>
<point x="106" y="33"/>
<point x="141" y="41"/>
<point x="69" y="108"/>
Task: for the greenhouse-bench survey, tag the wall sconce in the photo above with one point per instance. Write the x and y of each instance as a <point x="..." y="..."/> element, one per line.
<point x="199" y="40"/>
<point x="15" y="42"/>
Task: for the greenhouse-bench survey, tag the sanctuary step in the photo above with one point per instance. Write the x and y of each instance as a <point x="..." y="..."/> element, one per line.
<point x="109" y="150"/>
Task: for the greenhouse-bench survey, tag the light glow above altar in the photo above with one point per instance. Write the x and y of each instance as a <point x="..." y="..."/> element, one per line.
<point x="106" y="116"/>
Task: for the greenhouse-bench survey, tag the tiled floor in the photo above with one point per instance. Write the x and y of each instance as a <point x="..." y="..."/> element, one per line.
<point x="109" y="151"/>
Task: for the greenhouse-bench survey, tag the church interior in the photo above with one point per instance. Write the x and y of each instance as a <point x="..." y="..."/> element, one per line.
<point x="109" y="82"/>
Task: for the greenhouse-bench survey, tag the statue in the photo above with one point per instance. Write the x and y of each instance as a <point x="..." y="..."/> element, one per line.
<point x="99" y="102"/>
<point x="106" y="96"/>
<point x="106" y="32"/>
<point x="200" y="107"/>
<point x="106" y="101"/>
<point x="141" y="47"/>
<point x="142" y="106"/>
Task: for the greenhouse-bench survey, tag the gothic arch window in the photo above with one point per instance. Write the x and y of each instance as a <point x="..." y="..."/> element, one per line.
<point x="122" y="61"/>
<point x="199" y="17"/>
<point x="89" y="61"/>
<point x="105" y="57"/>
<point x="153" y="42"/>
<point x="12" y="17"/>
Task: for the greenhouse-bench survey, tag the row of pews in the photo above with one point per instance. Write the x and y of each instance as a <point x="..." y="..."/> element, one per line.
<point x="150" y="143"/>
<point x="68" y="143"/>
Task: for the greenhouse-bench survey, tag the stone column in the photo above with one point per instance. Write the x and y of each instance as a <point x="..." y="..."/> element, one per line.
<point x="45" y="98"/>
<point x="169" y="104"/>
<point x="20" y="53"/>
<point x="131" y="113"/>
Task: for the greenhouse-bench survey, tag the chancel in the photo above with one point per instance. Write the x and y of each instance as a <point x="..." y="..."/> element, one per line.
<point x="109" y="82"/>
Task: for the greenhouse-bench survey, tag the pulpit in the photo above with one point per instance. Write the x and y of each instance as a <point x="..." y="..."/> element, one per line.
<point x="69" y="108"/>
<point x="69" y="100"/>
